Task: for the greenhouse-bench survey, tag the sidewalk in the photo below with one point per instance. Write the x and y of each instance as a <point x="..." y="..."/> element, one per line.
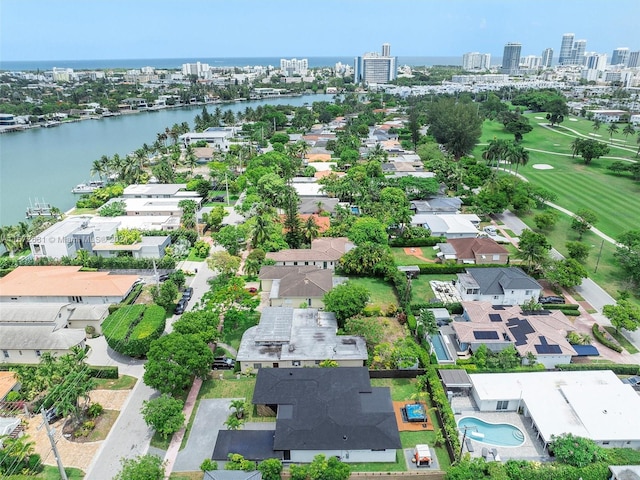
<point x="176" y="441"/>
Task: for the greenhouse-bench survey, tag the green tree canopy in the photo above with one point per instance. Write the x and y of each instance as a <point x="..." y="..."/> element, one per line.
<point x="533" y="248"/>
<point x="583" y="220"/>
<point x="456" y="125"/>
<point x="164" y="414"/>
<point x="624" y="315"/>
<point x="145" y="467"/>
<point x="346" y="300"/>
<point x="368" y="229"/>
<point x="566" y="273"/>
<point x="173" y="361"/>
<point x="573" y="450"/>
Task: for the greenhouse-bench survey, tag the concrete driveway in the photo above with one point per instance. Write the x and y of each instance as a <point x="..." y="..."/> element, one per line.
<point x="210" y="418"/>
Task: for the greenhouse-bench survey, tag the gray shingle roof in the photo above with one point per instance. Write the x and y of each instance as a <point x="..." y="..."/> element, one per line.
<point x="494" y="281"/>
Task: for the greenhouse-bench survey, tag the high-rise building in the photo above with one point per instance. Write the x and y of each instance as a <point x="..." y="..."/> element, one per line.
<point x="595" y="61"/>
<point x="511" y="58"/>
<point x="577" y="53"/>
<point x="294" y="67"/>
<point x="531" y="62"/>
<point x="620" y="56"/>
<point x="547" y="57"/>
<point x="565" y="49"/>
<point x="634" y="59"/>
<point x="376" y="68"/>
<point x="198" y="69"/>
<point x="476" y="61"/>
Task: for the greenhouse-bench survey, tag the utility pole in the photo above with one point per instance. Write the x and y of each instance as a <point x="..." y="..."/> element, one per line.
<point x="50" y="433"/>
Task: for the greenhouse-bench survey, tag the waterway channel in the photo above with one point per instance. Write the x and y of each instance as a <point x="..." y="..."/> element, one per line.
<point x="46" y="163"/>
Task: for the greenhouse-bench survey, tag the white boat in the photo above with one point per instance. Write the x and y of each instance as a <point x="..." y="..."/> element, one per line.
<point x="88" y="187"/>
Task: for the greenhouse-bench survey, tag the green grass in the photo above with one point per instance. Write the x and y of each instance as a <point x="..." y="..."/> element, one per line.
<point x="228" y="387"/>
<point x="421" y="289"/>
<point x="50" y="473"/>
<point x="404" y="389"/>
<point x="402" y="258"/>
<point x="157" y="441"/>
<point x="123" y="382"/>
<point x="622" y="340"/>
<point x="608" y="275"/>
<point x="381" y="292"/>
<point x="400" y="465"/>
<point x="192" y="257"/>
<point x="187" y="476"/>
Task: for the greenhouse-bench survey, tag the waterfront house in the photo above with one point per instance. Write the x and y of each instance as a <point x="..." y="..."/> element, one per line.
<point x="216" y="137"/>
<point x="298" y="337"/>
<point x="329" y="411"/>
<point x="62" y="284"/>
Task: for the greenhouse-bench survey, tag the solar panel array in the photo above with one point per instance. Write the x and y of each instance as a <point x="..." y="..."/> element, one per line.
<point x="545" y="347"/>
<point x="495" y="317"/>
<point x="483" y="335"/>
<point x="520" y="328"/>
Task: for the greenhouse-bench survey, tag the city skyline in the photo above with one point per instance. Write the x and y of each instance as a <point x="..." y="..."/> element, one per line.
<point x="116" y="29"/>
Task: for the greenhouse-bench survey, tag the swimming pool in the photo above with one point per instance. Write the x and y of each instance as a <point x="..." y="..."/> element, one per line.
<point x="442" y="354"/>
<point x="498" y="434"/>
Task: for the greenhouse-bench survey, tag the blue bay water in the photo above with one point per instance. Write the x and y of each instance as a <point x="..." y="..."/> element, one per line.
<point x="46" y="163"/>
<point x="173" y="63"/>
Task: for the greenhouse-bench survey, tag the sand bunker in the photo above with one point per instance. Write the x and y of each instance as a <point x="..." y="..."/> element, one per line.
<point x="542" y="166"/>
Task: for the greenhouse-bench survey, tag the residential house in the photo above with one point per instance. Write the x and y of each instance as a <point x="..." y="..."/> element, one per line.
<point x="480" y="251"/>
<point x="330" y="411"/>
<point x="296" y="286"/>
<point x="148" y="247"/>
<point x="449" y="226"/>
<point x="154" y="206"/>
<point x="66" y="237"/>
<point x="216" y="137"/>
<point x="156" y="190"/>
<point x="204" y="154"/>
<point x="62" y="284"/>
<point x="437" y="206"/>
<point x="306" y="187"/>
<point x="300" y="337"/>
<point x="541" y="334"/>
<point x="29" y="330"/>
<point x="325" y="252"/>
<point x="499" y="286"/>
<point x="591" y="404"/>
<point x="310" y="205"/>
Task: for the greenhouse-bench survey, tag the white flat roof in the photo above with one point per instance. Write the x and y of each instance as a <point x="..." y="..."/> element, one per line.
<point x="592" y="404"/>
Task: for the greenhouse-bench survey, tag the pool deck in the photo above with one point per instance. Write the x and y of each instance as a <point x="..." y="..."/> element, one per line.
<point x="531" y="449"/>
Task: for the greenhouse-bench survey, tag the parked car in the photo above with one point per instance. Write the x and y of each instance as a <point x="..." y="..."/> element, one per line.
<point x="187" y="293"/>
<point x="52" y="415"/>
<point x="491" y="231"/>
<point x="551" y="299"/>
<point x="218" y="198"/>
<point x="223" y="363"/>
<point x="252" y="290"/>
<point x="164" y="277"/>
<point x="633" y="381"/>
<point x="181" y="306"/>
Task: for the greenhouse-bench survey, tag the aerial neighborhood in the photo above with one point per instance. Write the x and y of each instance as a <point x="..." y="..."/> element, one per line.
<point x="415" y="269"/>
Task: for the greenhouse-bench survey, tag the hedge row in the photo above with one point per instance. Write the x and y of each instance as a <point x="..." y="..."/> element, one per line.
<point x="603" y="340"/>
<point x="112" y="263"/>
<point x="441" y="402"/>
<point x="131" y="329"/>
<point x="417" y="242"/>
<point x="565" y="306"/>
<point x="617" y="368"/>
<point x="454" y="308"/>
<point x="132" y="297"/>
<point x="471" y="367"/>
<point x="94" y="371"/>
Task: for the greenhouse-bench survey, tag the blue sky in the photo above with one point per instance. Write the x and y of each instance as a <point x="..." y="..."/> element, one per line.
<point x="117" y="29"/>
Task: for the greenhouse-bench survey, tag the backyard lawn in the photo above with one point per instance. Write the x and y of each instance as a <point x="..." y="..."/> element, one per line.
<point x="403" y="258"/>
<point x="421" y="289"/>
<point x="381" y="292"/>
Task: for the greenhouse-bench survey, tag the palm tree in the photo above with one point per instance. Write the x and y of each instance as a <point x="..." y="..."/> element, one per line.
<point x="628" y="130"/>
<point x="21" y="230"/>
<point x="190" y="159"/>
<point x="310" y="229"/>
<point x="238" y="406"/>
<point x="520" y="157"/>
<point x="597" y="123"/>
<point x="613" y="128"/>
<point x="575" y="147"/>
<point x="97" y="168"/>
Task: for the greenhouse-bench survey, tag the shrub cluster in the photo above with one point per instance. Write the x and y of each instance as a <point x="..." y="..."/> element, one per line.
<point x="112" y="263"/>
<point x="617" y="368"/>
<point x="441" y="402"/>
<point x="131" y="329"/>
<point x="597" y="333"/>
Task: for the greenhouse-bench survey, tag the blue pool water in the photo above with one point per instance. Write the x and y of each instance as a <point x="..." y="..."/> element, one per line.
<point x="498" y="434"/>
<point x="415" y="412"/>
<point x="442" y="354"/>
